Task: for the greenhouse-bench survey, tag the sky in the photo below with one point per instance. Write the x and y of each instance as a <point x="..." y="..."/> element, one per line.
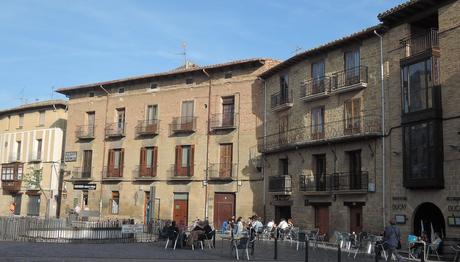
<point x="48" y="44"/>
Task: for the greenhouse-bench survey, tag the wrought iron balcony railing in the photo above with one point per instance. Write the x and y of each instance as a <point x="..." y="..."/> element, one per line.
<point x="85" y="132"/>
<point x="417" y="44"/>
<point x="112" y="173"/>
<point x="178" y="172"/>
<point x="79" y="173"/>
<point x="281" y="100"/>
<point x="280" y="184"/>
<point x="223" y="121"/>
<point x="148" y="127"/>
<point x="222" y="171"/>
<point x="183" y="124"/>
<point x="316" y="88"/>
<point x="145" y="172"/>
<point x="349" y="79"/>
<point x="337" y="182"/>
<point x="350" y="128"/>
<point x="116" y="129"/>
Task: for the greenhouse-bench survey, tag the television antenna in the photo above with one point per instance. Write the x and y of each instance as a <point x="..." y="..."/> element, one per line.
<point x="297" y="50"/>
<point x="184" y="54"/>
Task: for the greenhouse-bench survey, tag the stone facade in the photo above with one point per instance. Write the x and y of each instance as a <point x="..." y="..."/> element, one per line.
<point x="207" y="87"/>
<point x="32" y="138"/>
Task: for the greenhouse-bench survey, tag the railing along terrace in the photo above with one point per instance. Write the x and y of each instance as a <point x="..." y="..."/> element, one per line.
<point x="85" y="131"/>
<point x="81" y="173"/>
<point x="109" y="172"/>
<point x="223" y="120"/>
<point x="179" y="171"/>
<point x="281" y="98"/>
<point x="183" y="124"/>
<point x="349" y="77"/>
<point x="332" y="130"/>
<point x="145" y="171"/>
<point x="416" y="44"/>
<point x="336" y="182"/>
<point x="147" y="127"/>
<point x="115" y="129"/>
<point x="316" y="86"/>
<point x="223" y="171"/>
<point x="279" y="184"/>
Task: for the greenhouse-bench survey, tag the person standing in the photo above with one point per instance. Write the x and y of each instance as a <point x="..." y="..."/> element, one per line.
<point x="12" y="208"/>
<point x="391" y="240"/>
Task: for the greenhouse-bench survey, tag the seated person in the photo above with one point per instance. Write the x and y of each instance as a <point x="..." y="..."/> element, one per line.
<point x="173" y="231"/>
<point x="197" y="230"/>
<point x="163" y="234"/>
<point x="224" y="227"/>
<point x="258" y="226"/>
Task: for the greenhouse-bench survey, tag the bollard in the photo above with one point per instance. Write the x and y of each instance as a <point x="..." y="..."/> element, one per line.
<point x="339" y="254"/>
<point x="276" y="248"/>
<point x="214" y="240"/>
<point x="306" y="249"/>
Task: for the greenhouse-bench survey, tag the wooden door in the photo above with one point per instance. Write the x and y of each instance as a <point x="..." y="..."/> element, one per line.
<point x="224" y="208"/>
<point x="356" y="219"/>
<point x="226" y="153"/>
<point x="87" y="163"/>
<point x="322" y="219"/>
<point x="180" y="212"/>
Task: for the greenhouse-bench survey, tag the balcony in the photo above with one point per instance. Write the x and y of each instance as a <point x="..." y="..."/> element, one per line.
<point x="333" y="131"/>
<point x="316" y="88"/>
<point x="114" y="130"/>
<point x="222" y="171"/>
<point x="418" y="44"/>
<point x="183" y="124"/>
<point x="112" y="173"/>
<point x="223" y="121"/>
<point x="181" y="173"/>
<point x="350" y="79"/>
<point x="281" y="101"/>
<point x="148" y="127"/>
<point x="35" y="157"/>
<point x="281" y="185"/>
<point x="81" y="174"/>
<point x="11" y="177"/>
<point x="145" y="172"/>
<point x="85" y="132"/>
<point x="343" y="182"/>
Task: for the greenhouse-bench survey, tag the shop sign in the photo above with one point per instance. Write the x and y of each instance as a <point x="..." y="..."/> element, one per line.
<point x="84" y="186"/>
<point x="70" y="156"/>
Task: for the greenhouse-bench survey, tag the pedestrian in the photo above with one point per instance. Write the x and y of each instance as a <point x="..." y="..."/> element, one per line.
<point x="12" y="208"/>
<point x="391" y="242"/>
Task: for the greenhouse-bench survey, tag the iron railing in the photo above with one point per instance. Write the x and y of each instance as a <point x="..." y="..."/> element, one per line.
<point x="145" y="171"/>
<point x="222" y="171"/>
<point x="416" y="44"/>
<point x="365" y="125"/>
<point x="280" y="184"/>
<point x="281" y="99"/>
<point x="223" y="121"/>
<point x="183" y="124"/>
<point x="180" y="172"/>
<point x="316" y="87"/>
<point x="116" y="129"/>
<point x="85" y="131"/>
<point x="112" y="173"/>
<point x="336" y="182"/>
<point x="148" y="127"/>
<point x="81" y="173"/>
<point x="348" y="77"/>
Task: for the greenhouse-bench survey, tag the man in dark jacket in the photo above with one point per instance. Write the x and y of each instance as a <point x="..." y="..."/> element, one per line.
<point x="391" y="238"/>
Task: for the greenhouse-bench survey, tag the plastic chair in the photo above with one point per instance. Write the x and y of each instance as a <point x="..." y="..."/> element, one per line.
<point x="241" y="244"/>
<point x="433" y="248"/>
<point x="172" y="236"/>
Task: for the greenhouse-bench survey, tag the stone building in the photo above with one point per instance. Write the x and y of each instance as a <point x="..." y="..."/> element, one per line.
<point x="187" y="134"/>
<point x="31" y="139"/>
<point x="322" y="150"/>
<point x="422" y="82"/>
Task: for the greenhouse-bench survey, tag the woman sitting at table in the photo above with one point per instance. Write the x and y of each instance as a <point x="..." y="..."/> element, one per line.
<point x="197" y="230"/>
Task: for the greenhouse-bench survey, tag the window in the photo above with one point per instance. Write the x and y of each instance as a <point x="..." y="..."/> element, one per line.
<point x="121" y="90"/>
<point x="115" y="165"/>
<point x="12" y="172"/>
<point x="228" y="75"/>
<point x="352" y="63"/>
<point x="283" y="167"/>
<point x="18" y="150"/>
<point x="39" y="149"/>
<point x="153" y="85"/>
<point x="226" y="156"/>
<point x="120" y="120"/>
<point x="21" y="120"/>
<point x="228" y="110"/>
<point x="91" y="94"/>
<point x="186" y="120"/>
<point x="91" y="121"/>
<point x="416" y="86"/>
<point x="352" y="116"/>
<point x="317" y="122"/>
<point x="34" y="205"/>
<point x="87" y="163"/>
<point x="151" y="114"/>
<point x="184" y="160"/>
<point x="318" y="71"/>
<point x="284" y="89"/>
<point x="148" y="161"/>
<point x="115" y="203"/>
<point x="41" y="118"/>
<point x="189" y="81"/>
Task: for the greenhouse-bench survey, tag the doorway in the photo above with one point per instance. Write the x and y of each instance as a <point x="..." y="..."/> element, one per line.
<point x="282" y="212"/>
<point x="180" y="212"/>
<point x="224" y="208"/>
<point x="322" y="219"/>
<point x="356" y="219"/>
<point x="428" y="215"/>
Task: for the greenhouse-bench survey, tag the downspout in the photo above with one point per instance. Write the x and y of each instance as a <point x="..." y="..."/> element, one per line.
<point x="263" y="153"/>
<point x="382" y="87"/>
<point x="104" y="147"/>
<point x="206" y="202"/>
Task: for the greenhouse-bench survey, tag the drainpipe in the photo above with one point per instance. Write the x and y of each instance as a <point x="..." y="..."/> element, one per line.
<point x="104" y="147"/>
<point x="382" y="87"/>
<point x="206" y="202"/>
<point x="263" y="153"/>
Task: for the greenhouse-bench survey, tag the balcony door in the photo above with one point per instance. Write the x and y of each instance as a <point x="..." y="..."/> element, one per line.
<point x="184" y="160"/>
<point x="87" y="163"/>
<point x="120" y="120"/>
<point x="354" y="179"/>
<point x="317" y="123"/>
<point x="283" y="129"/>
<point x="352" y="63"/>
<point x="116" y="158"/>
<point x="352" y="116"/>
<point x="320" y="171"/>
<point x="228" y="110"/>
<point x="226" y="156"/>
<point x="186" y="121"/>
<point x="284" y="89"/>
<point x="318" y="70"/>
<point x="91" y="121"/>
<point x="148" y="160"/>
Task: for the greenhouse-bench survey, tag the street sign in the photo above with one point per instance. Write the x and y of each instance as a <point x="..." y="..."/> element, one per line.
<point x="70" y="156"/>
<point x="84" y="186"/>
<point x="131" y="229"/>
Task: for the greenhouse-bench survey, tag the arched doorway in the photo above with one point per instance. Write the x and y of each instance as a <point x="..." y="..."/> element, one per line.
<point x="426" y="215"/>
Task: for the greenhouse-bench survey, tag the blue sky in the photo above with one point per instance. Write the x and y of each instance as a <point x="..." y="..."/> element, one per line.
<point x="54" y="43"/>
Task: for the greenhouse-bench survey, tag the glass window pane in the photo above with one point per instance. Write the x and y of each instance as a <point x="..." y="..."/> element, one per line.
<point x="185" y="156"/>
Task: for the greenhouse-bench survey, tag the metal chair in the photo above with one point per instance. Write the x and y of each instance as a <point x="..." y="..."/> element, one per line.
<point x="433" y="248"/>
<point x="172" y="236"/>
<point x="241" y="244"/>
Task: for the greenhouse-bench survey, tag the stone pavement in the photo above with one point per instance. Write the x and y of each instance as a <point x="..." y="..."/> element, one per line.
<point x="21" y="251"/>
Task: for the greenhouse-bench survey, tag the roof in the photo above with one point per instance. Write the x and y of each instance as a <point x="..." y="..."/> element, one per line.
<point x="409" y="8"/>
<point x="363" y="34"/>
<point x="35" y="106"/>
<point x="177" y="71"/>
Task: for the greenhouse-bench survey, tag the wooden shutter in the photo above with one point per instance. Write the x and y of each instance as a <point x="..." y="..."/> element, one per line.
<point x="110" y="163"/>
<point x="192" y="159"/>
<point x="155" y="158"/>
<point x="122" y="159"/>
<point x="178" y="161"/>
<point x="142" y="163"/>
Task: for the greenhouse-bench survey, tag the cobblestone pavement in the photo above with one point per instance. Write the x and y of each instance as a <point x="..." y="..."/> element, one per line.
<point x="264" y="251"/>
